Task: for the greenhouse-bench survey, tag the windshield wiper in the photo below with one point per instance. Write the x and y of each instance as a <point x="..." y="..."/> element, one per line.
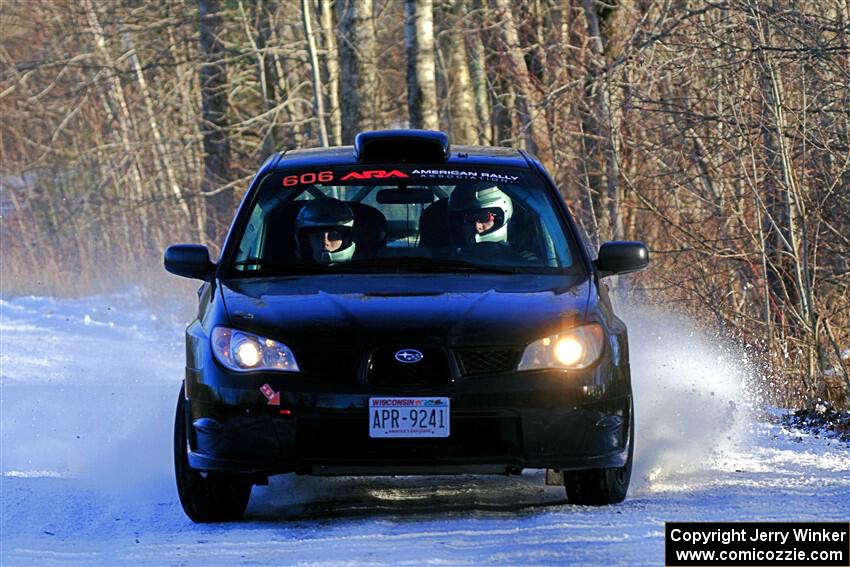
<point x="429" y="264"/>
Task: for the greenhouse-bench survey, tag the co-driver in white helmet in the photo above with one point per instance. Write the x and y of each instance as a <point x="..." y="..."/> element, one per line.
<point x="480" y="213"/>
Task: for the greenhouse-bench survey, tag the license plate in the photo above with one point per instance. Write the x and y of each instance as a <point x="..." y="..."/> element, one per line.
<point x="408" y="417"/>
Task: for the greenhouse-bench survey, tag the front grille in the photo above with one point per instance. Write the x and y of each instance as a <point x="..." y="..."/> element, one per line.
<point x="432" y="371"/>
<point x="340" y="364"/>
<point x="484" y="360"/>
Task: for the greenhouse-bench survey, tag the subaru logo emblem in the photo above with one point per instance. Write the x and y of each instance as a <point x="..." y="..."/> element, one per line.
<point x="409" y="356"/>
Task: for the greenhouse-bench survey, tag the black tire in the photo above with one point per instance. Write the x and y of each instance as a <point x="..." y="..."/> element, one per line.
<point x="210" y="497"/>
<point x="599" y="487"/>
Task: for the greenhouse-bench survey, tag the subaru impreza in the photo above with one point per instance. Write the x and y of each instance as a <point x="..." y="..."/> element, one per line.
<point x="402" y="307"/>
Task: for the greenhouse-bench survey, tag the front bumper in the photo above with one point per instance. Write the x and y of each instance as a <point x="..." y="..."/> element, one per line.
<point x="499" y="423"/>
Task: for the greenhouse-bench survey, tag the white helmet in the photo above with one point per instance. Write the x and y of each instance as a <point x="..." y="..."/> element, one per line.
<point x="326" y="216"/>
<point x="478" y="205"/>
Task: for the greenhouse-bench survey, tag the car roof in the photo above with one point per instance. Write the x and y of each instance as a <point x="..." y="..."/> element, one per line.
<point x="458" y="155"/>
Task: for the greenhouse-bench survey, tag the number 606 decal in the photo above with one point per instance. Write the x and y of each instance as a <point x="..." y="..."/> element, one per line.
<point x="308" y="178"/>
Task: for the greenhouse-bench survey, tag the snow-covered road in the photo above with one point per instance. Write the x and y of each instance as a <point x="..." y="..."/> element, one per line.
<point x="87" y="392"/>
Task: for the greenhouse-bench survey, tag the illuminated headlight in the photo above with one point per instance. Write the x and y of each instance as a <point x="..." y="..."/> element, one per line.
<point x="241" y="351"/>
<point x="573" y="349"/>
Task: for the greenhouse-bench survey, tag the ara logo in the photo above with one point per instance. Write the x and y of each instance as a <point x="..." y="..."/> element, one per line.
<point x="373" y="174"/>
<point x="409" y="356"/>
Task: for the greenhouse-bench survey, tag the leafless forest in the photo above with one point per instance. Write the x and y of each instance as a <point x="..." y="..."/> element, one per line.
<point x="717" y="132"/>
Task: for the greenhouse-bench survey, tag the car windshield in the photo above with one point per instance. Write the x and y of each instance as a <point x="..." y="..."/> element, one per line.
<point x="402" y="218"/>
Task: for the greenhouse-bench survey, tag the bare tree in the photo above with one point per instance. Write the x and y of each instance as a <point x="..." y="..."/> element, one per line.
<point x="318" y="99"/>
<point x="477" y="69"/>
<point x="214" y="101"/>
<point x="162" y="161"/>
<point x="598" y="135"/>
<point x="358" y="74"/>
<point x="262" y="15"/>
<point x="421" y="68"/>
<point x="463" y="127"/>
<point x="332" y="66"/>
<point x="531" y="120"/>
<point x="116" y="98"/>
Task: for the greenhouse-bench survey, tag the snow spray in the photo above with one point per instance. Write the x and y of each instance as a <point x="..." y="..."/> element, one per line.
<point x="692" y="405"/>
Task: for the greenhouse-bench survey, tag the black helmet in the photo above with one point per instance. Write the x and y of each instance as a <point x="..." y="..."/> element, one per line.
<point x="321" y="217"/>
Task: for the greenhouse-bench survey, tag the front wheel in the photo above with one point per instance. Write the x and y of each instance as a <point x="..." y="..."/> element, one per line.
<point x="598" y="487"/>
<point x="205" y="497"/>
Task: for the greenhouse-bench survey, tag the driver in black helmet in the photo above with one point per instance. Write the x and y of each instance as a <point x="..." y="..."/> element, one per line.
<point x="324" y="232"/>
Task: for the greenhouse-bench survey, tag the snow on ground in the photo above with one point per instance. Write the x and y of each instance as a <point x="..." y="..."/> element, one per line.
<point x="87" y="393"/>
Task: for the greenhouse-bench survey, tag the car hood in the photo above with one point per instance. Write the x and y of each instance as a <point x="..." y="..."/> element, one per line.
<point x="452" y="310"/>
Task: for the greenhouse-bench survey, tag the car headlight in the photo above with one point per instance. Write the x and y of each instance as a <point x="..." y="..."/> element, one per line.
<point x="243" y="351"/>
<point x="573" y="349"/>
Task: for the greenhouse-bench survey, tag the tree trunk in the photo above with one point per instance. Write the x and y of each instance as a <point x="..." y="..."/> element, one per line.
<point x="421" y="69"/>
<point x="318" y="102"/>
<point x="462" y="109"/>
<point x="162" y="160"/>
<point x="790" y="199"/>
<point x="358" y="77"/>
<point x="531" y="126"/>
<point x="478" y="74"/>
<point x="598" y="101"/>
<point x="595" y="224"/>
<point x="191" y="158"/>
<point x="332" y="66"/>
<point x="117" y="101"/>
<point x="266" y="17"/>
<point x="791" y="278"/>
<point x="292" y="135"/>
<point x="214" y="103"/>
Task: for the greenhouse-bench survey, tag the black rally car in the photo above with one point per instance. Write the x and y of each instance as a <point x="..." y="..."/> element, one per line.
<point x="402" y="307"/>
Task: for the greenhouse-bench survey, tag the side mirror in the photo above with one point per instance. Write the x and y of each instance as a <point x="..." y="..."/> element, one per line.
<point x="189" y="261"/>
<point x="621" y="258"/>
